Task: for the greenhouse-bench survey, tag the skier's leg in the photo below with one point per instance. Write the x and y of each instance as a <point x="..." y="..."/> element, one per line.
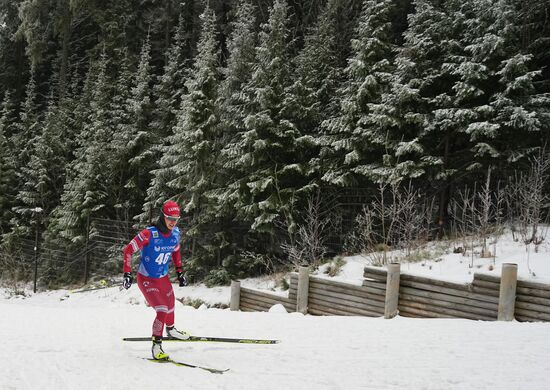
<point x="170" y="303"/>
<point x="151" y="290"/>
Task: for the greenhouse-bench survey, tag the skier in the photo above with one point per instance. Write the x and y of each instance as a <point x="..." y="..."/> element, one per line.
<point x="158" y="244"/>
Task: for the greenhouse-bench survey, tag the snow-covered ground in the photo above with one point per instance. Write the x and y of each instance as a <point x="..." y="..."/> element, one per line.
<point x="66" y="340"/>
<point x="54" y="342"/>
<point x="442" y="263"/>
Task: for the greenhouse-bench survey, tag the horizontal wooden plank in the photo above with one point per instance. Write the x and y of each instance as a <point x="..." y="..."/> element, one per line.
<point x="403" y="303"/>
<point x="419" y="313"/>
<point x="380" y="278"/>
<point x="487" y="277"/>
<point x="375" y="270"/>
<point x="250" y="306"/>
<point x="485" y="284"/>
<point x="375" y="284"/>
<point x="265" y="306"/>
<point x="343" y="299"/>
<point x="450" y="291"/>
<point x="343" y="290"/>
<point x="534" y="285"/>
<point x="449" y="298"/>
<point x="490" y="292"/>
<point x="533" y="307"/>
<point x="534" y="292"/>
<point x="450" y="305"/>
<point x="256" y="302"/>
<point x="533" y="314"/>
<point x="319" y="309"/>
<point x="435" y="282"/>
<point x="247" y="309"/>
<point x="530" y="299"/>
<point x="375" y="288"/>
<point x="266" y="300"/>
<point x="527" y="319"/>
<point x="245" y="291"/>
<point x="313" y="279"/>
<point x="347" y="306"/>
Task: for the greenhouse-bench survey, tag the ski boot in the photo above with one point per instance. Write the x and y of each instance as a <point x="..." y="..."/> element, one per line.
<point x="156" y="349"/>
<point x="177" y="334"/>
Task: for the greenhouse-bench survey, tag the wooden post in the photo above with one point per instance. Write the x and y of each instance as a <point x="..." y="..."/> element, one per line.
<point x="303" y="290"/>
<point x="235" y="295"/>
<point x="392" y="290"/>
<point x="507" y="296"/>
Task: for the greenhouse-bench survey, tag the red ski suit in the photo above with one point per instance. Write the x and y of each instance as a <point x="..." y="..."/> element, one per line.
<point x="152" y="275"/>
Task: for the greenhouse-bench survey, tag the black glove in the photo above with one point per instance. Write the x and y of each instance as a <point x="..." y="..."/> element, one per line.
<point x="182" y="279"/>
<point x="127" y="280"/>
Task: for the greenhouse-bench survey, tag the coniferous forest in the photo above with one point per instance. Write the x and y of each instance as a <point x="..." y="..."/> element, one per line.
<point x="271" y="122"/>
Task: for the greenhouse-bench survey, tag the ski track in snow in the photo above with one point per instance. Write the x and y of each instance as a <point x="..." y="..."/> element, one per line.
<point x="76" y="344"/>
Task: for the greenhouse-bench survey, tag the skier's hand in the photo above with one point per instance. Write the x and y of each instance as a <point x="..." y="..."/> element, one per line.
<point x="181" y="277"/>
<point x="127" y="280"/>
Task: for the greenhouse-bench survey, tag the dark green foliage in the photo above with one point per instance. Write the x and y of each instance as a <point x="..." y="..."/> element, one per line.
<point x="241" y="109"/>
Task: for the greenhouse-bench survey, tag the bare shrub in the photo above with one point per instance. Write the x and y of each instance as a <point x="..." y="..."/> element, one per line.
<point x="308" y="246"/>
<point x="395" y="219"/>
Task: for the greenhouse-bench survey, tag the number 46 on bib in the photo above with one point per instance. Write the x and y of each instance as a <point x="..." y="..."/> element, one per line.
<point x="163" y="258"/>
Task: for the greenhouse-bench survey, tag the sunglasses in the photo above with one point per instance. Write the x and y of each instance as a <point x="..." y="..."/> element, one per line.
<point x="170" y="218"/>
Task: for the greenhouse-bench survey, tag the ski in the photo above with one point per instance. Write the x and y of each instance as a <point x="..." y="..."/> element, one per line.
<point x="183" y="364"/>
<point x="207" y="339"/>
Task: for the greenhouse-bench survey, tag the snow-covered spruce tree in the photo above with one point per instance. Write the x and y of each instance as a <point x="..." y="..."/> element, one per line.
<point x="269" y="160"/>
<point x="8" y="178"/>
<point x="167" y="94"/>
<point x="521" y="111"/>
<point x="133" y="137"/>
<point x="187" y="169"/>
<point x="27" y="129"/>
<point x="491" y="116"/>
<point x="231" y="102"/>
<point x="121" y="122"/>
<point x="45" y="170"/>
<point x="531" y="19"/>
<point x="90" y="175"/>
<point x="355" y="138"/>
<point x="311" y="98"/>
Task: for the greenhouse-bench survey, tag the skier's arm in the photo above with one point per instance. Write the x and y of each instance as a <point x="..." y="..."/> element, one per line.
<point x="137" y="244"/>
<point x="176" y="258"/>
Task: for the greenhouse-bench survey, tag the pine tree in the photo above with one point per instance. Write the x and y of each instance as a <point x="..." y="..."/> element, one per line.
<point x="356" y="138"/>
<point x="90" y="176"/>
<point x="312" y="95"/>
<point x="121" y="122"/>
<point x="237" y="72"/>
<point x="187" y="167"/>
<point x="271" y="171"/>
<point x="27" y="129"/>
<point x="8" y="178"/>
<point x="167" y="94"/>
<point x="133" y="135"/>
<point x="44" y="172"/>
<point x="226" y="230"/>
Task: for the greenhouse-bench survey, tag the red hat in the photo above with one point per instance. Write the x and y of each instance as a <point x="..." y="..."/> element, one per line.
<point x="171" y="209"/>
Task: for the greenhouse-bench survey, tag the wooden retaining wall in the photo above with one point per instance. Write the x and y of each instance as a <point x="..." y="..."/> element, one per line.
<point x="328" y="297"/>
<point x="532" y="299"/>
<point x="431" y="298"/>
<point x="254" y="300"/>
<point x="418" y="296"/>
